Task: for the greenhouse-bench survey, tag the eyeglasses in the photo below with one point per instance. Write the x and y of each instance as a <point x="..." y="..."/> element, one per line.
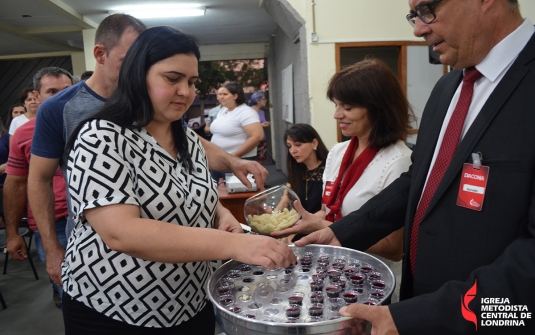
<point x="424" y="12"/>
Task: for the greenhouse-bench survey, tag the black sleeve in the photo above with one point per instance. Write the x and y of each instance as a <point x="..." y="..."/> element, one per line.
<point x="511" y="276"/>
<point x="377" y="218"/>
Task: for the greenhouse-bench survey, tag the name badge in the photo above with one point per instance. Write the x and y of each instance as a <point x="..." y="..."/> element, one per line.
<point x="327" y="192"/>
<point x="473" y="185"/>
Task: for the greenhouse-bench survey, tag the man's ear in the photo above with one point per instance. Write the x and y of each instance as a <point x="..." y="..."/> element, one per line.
<point x="99" y="52"/>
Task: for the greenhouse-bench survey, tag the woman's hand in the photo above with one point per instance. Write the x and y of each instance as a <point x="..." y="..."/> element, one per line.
<point x="323" y="236"/>
<point x="282" y="203"/>
<point x="309" y="223"/>
<point x="263" y="250"/>
<point x="288" y="239"/>
<point x="242" y="167"/>
<point x="224" y="220"/>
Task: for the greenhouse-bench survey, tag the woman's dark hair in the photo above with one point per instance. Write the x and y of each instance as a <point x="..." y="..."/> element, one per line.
<point x="3" y="129"/>
<point x="303" y="133"/>
<point x="235" y="88"/>
<point x="86" y="75"/>
<point x="24" y="94"/>
<point x="372" y="85"/>
<point x="130" y="103"/>
<point x="10" y="113"/>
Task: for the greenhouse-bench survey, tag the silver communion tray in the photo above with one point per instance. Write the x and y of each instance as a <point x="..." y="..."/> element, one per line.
<point x="251" y="299"/>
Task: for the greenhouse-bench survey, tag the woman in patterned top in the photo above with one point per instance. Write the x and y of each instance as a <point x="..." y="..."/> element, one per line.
<point x="137" y="261"/>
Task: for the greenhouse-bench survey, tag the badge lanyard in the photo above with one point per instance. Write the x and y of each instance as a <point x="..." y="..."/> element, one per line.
<point x="473" y="184"/>
<point x="328" y="192"/>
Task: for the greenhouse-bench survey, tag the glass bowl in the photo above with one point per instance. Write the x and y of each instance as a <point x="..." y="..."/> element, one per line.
<point x="271" y="210"/>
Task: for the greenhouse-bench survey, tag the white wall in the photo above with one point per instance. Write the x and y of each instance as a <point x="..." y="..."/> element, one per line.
<point x="421" y="78"/>
<point x="233" y="51"/>
<point x="89" y="43"/>
<point x="78" y="63"/>
<point x="352" y="21"/>
<point x="527" y="8"/>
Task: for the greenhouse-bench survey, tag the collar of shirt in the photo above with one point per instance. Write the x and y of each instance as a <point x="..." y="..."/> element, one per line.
<point x="502" y="55"/>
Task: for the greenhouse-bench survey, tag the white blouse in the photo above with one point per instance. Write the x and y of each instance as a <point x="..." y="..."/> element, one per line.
<point x="16" y="123"/>
<point x="113" y="165"/>
<point x="387" y="165"/>
<point x="227" y="128"/>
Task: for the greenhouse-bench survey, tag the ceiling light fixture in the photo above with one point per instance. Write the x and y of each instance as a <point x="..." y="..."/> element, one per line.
<point x="160" y="10"/>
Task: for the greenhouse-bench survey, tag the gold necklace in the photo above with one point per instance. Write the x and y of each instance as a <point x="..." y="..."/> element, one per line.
<point x="307" y="178"/>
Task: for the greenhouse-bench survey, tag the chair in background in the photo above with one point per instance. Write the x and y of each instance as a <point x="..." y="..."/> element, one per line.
<point x="2" y="301"/>
<point x="24" y="232"/>
<point x="2" y="242"/>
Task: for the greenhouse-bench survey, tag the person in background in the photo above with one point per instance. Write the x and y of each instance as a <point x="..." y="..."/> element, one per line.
<point x="4" y="153"/>
<point x="47" y="82"/>
<point x="237" y="128"/>
<point x="257" y="102"/>
<point x="371" y="108"/>
<point x="31" y="104"/>
<point x="154" y="219"/>
<point x="212" y="115"/>
<point x="305" y="163"/>
<point x="15" y="110"/>
<point x="86" y="75"/>
<point x="59" y="115"/>
<point x="62" y="113"/>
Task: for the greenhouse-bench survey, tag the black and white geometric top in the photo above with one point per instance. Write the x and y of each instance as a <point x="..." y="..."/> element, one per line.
<point x="113" y="165"/>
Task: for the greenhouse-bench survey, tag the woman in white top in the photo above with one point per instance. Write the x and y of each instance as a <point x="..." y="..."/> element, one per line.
<point x="31" y="104"/>
<point x="14" y="111"/>
<point x="372" y="109"/>
<point x="148" y="218"/>
<point x="237" y="128"/>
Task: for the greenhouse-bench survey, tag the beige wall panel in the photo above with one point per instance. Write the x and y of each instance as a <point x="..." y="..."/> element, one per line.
<point x="351" y="21"/>
<point x="78" y="63"/>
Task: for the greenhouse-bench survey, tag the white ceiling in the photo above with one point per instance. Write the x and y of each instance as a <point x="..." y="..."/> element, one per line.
<point x="56" y="25"/>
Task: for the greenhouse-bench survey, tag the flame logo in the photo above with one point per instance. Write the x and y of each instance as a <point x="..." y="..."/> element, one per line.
<point x="468" y="315"/>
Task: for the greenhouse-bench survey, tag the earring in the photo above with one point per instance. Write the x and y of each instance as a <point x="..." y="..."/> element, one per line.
<point x="315" y="149"/>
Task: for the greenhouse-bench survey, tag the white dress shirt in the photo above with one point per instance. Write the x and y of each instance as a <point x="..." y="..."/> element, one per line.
<point x="493" y="68"/>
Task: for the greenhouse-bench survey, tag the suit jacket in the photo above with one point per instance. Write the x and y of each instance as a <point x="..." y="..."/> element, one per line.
<point x="456" y="245"/>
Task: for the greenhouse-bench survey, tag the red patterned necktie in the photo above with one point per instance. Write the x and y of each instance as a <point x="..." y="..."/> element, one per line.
<point x="449" y="145"/>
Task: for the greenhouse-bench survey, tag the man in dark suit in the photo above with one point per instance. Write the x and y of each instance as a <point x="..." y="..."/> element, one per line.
<point x="462" y="254"/>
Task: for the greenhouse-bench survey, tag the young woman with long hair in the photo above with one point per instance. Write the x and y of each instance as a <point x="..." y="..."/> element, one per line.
<point x="146" y="209"/>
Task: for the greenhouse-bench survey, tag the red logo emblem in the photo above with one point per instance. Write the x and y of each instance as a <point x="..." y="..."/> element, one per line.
<point x="468" y="315"/>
